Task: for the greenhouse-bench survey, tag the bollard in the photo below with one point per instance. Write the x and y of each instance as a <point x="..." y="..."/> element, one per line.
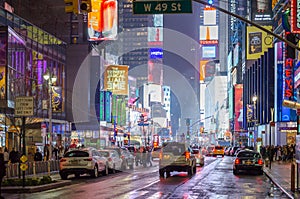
<point x="293" y="177"/>
<point x="33" y="167"/>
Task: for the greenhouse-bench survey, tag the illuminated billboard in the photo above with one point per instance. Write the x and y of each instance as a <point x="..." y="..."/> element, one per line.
<point x="210" y="17"/>
<point x="258" y="42"/>
<point x="156" y="53"/>
<point x="238" y="107"/>
<point x="295" y="16"/>
<point x="262" y="12"/>
<point x="208" y="52"/>
<point x="202" y="69"/>
<point x="103" y="20"/>
<point x="209" y="34"/>
<point x="116" y="79"/>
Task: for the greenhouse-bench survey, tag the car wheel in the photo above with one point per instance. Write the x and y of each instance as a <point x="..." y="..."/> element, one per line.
<point x="168" y="174"/>
<point x="131" y="166"/>
<point x="63" y="176"/>
<point x="105" y="171"/>
<point x="95" y="173"/>
<point x="114" y="169"/>
<point x="235" y="172"/>
<point x="161" y="173"/>
<point x="190" y="171"/>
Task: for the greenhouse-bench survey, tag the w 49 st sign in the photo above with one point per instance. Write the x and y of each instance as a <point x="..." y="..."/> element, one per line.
<point x="162" y="7"/>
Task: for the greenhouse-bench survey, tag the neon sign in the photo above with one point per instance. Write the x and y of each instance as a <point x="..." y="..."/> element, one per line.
<point x="288" y="73"/>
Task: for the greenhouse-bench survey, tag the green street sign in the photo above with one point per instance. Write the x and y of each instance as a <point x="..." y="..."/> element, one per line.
<point x="162" y="7"/>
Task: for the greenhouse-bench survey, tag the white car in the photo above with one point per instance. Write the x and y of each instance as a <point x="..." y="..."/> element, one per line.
<point x="82" y="161"/>
<point x="113" y="159"/>
<point x="199" y="157"/>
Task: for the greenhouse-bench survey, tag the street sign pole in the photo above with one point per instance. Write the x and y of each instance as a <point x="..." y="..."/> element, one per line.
<point x="24" y="149"/>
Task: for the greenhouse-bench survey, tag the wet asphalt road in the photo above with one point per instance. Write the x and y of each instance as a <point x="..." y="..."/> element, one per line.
<point x="214" y="180"/>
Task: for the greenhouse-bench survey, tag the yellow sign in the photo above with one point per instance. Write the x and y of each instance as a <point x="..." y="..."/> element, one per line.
<point x="23" y="166"/>
<point x="23" y="158"/>
<point x="116" y="79"/>
<point x="258" y="42"/>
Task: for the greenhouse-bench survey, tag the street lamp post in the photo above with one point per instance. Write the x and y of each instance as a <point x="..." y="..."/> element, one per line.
<point x="50" y="78"/>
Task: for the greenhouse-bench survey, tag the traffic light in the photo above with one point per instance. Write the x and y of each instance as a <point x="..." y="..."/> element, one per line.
<point x="72" y="6"/>
<point x="250" y="134"/>
<point x="85" y="6"/>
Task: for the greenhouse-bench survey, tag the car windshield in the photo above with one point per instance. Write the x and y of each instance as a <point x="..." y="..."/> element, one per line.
<point x="76" y="154"/>
<point x="195" y="151"/>
<point x="176" y="149"/>
<point x="156" y="149"/>
<point x="218" y="148"/>
<point x="104" y="153"/>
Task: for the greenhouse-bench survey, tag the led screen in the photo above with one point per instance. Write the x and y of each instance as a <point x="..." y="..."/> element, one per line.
<point x="103" y="20"/>
<point x="208" y="51"/>
<point x="156" y="53"/>
<point x="210" y="17"/>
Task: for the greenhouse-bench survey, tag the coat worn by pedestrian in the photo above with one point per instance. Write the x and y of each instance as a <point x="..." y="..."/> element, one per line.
<point x="2" y="166"/>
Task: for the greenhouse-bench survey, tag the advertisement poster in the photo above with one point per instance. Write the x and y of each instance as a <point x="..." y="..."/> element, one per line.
<point x="2" y="83"/>
<point x="57" y="104"/>
<point x="297" y="148"/>
<point x="116" y="79"/>
<point x="103" y="20"/>
<point x="258" y="42"/>
<point x="238" y="107"/>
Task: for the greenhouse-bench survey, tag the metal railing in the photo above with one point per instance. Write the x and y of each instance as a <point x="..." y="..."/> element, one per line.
<point x="33" y="168"/>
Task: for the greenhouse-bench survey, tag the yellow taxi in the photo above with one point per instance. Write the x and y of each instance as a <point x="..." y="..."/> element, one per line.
<point x="218" y="150"/>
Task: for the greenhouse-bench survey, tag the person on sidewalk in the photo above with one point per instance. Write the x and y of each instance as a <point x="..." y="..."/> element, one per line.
<point x="38" y="156"/>
<point x="14" y="156"/>
<point x="6" y="156"/>
<point x="2" y="169"/>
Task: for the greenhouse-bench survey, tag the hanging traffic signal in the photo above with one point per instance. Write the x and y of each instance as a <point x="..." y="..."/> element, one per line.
<point x="250" y="134"/>
<point x="72" y="6"/>
<point x="85" y="6"/>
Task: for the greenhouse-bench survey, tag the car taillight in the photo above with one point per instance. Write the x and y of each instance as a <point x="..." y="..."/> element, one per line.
<point x="187" y="155"/>
<point x="237" y="161"/>
<point x="260" y="162"/>
<point x="63" y="160"/>
<point x="88" y="159"/>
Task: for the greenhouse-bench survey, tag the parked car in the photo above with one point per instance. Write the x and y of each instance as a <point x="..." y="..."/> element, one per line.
<point x="199" y="157"/>
<point x="82" y="161"/>
<point x="248" y="160"/>
<point x="218" y="150"/>
<point x="119" y="150"/>
<point x="155" y="152"/>
<point x="128" y="157"/>
<point x="113" y="158"/>
<point x="176" y="156"/>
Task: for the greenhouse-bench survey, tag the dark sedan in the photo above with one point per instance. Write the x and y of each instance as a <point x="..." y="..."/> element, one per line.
<point x="248" y="160"/>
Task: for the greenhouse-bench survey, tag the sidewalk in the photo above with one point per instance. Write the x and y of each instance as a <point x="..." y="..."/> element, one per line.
<point x="280" y="174"/>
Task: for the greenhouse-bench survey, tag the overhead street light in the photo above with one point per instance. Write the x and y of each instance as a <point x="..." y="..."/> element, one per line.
<point x="51" y="79"/>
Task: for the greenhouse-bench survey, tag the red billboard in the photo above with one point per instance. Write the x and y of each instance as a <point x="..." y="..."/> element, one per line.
<point x="238" y="107"/>
<point x="295" y="16"/>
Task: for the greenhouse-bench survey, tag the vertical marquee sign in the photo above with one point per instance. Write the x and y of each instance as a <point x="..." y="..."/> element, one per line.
<point x="295" y="16"/>
<point x="288" y="78"/>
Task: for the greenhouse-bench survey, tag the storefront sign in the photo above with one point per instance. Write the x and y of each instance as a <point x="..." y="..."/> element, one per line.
<point x="116" y="79"/>
<point x="295" y="16"/>
<point x="289" y="83"/>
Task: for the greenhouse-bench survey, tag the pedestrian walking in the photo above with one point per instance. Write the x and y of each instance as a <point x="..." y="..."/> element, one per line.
<point x="14" y="156"/>
<point x="38" y="155"/>
<point x="6" y="156"/>
<point x="46" y="152"/>
<point x="2" y="169"/>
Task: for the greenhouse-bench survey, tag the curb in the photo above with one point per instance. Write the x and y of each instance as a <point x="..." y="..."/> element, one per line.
<point x="277" y="184"/>
<point x="33" y="189"/>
